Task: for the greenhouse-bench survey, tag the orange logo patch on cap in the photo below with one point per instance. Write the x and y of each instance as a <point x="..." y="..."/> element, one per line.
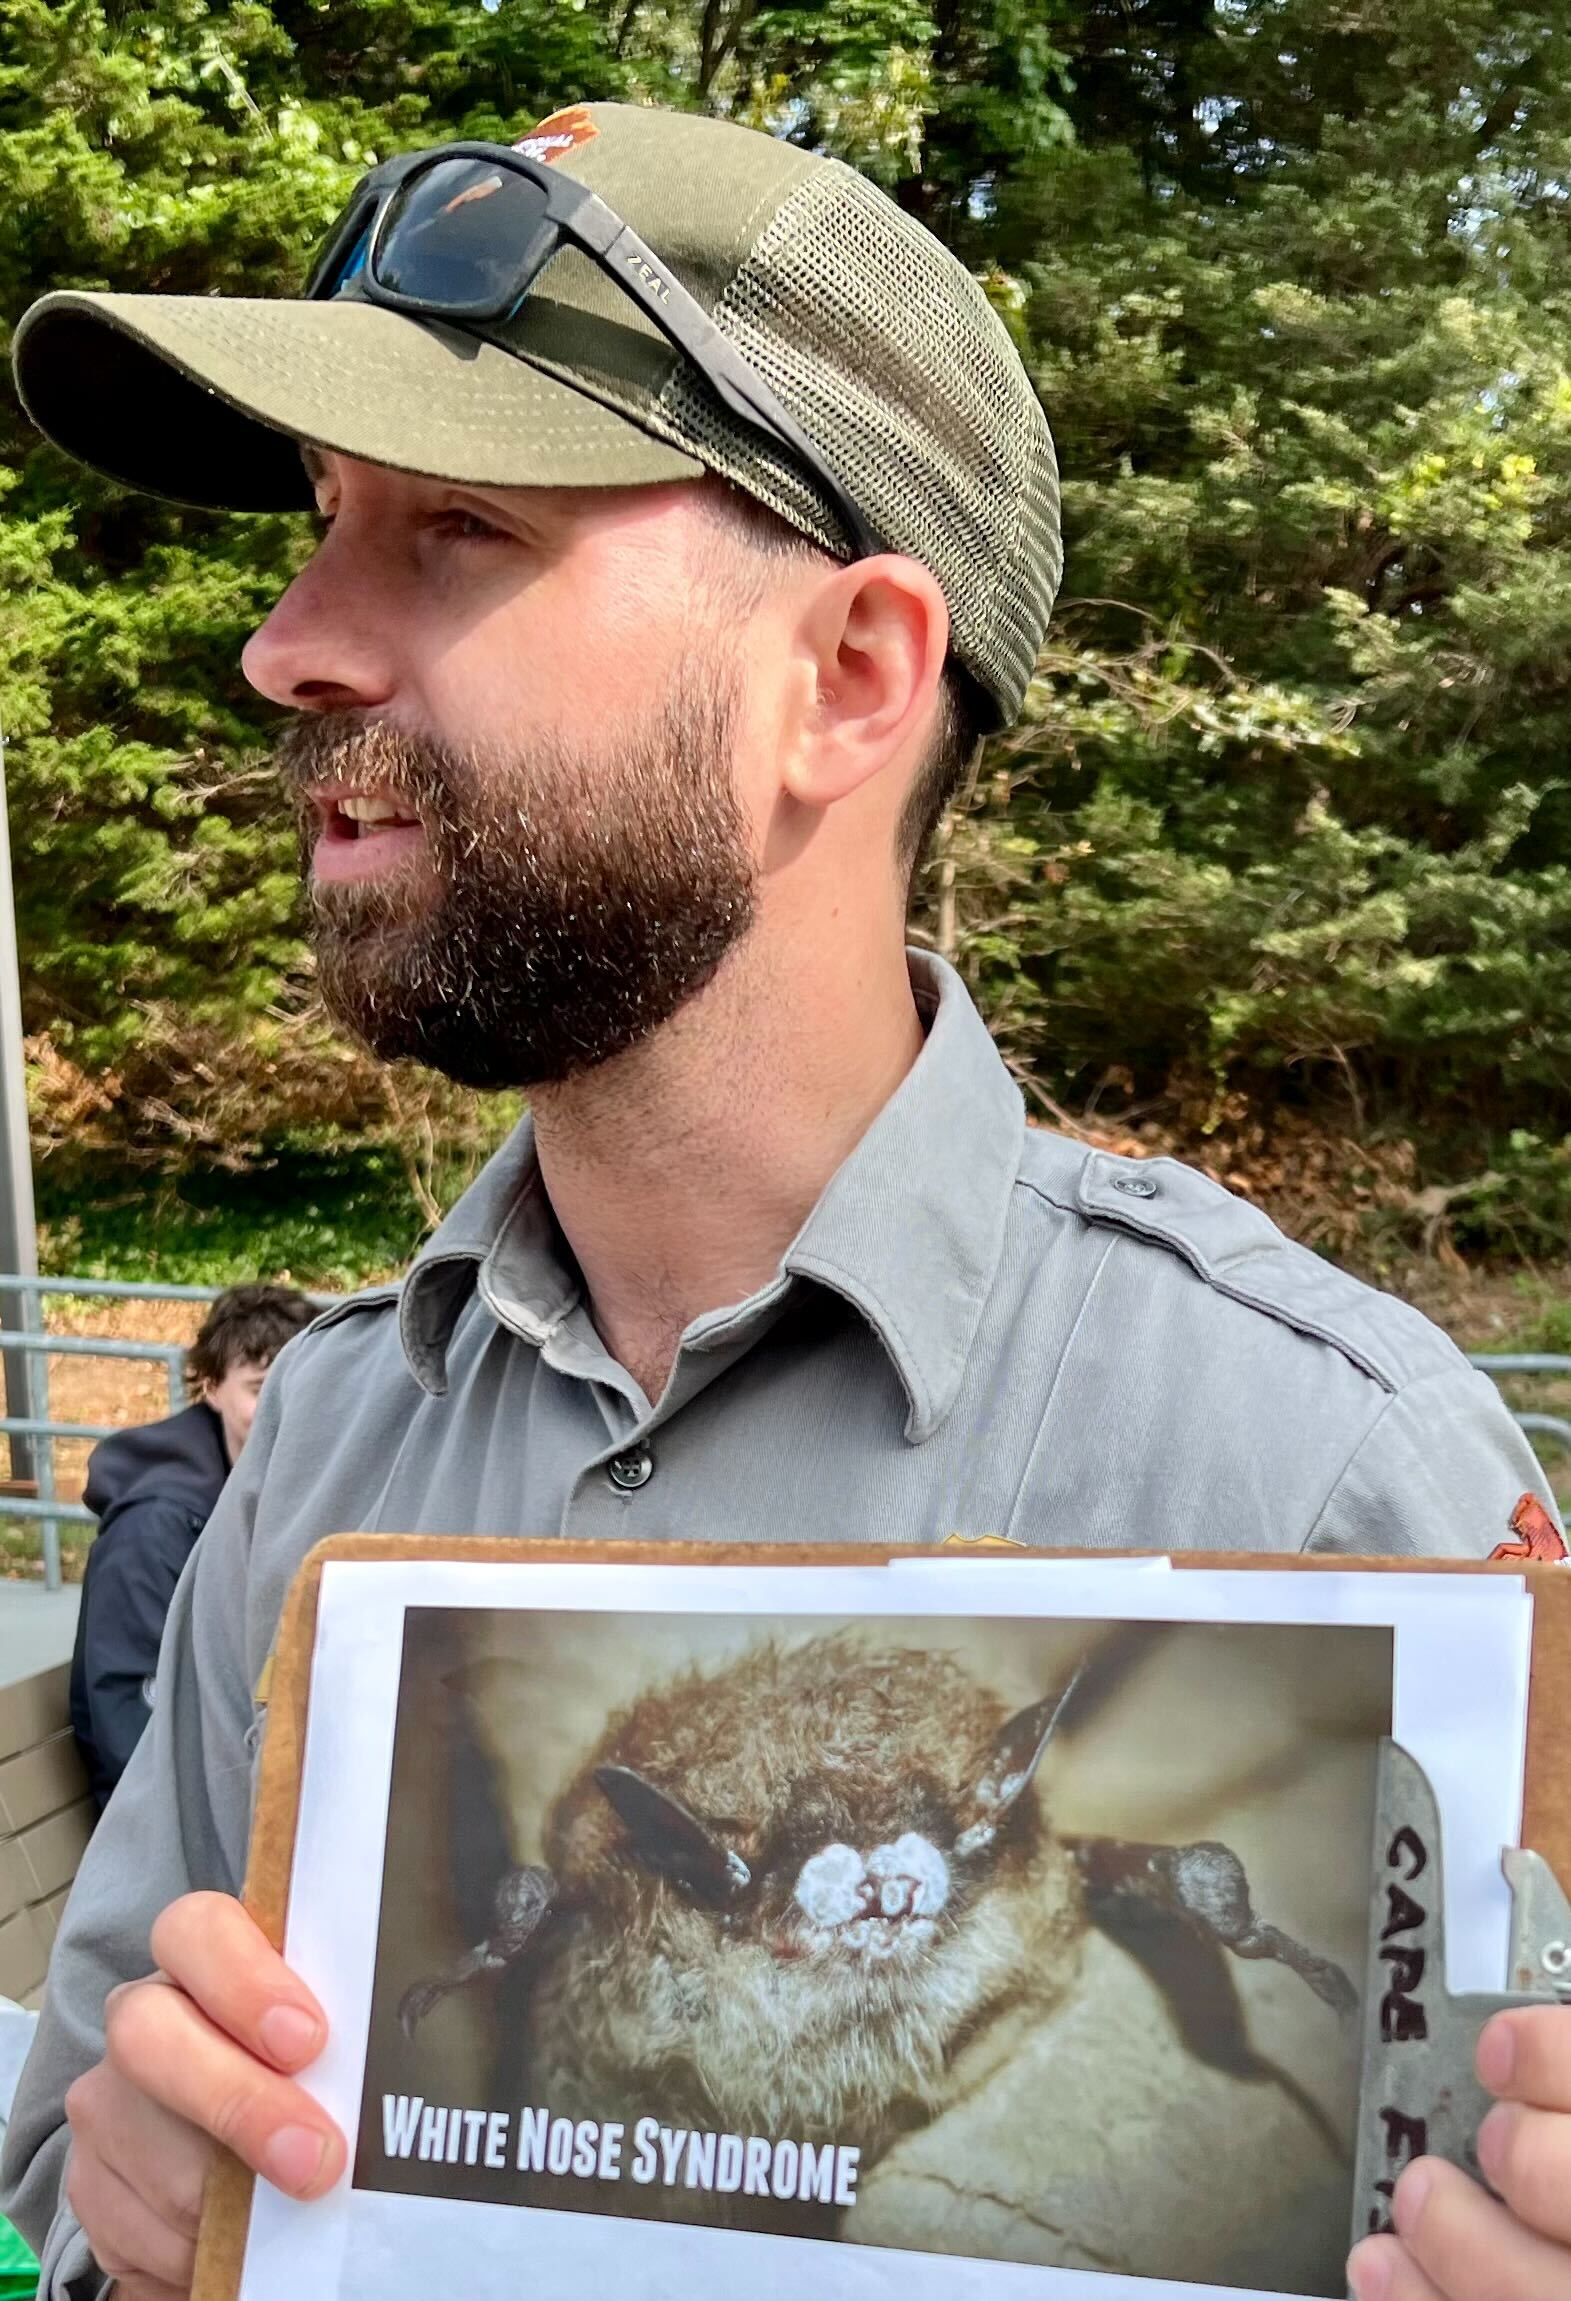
<point x="1537" y="1536"/>
<point x="559" y="132"/>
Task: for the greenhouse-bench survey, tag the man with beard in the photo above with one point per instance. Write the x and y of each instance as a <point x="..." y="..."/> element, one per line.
<point x="688" y="514"/>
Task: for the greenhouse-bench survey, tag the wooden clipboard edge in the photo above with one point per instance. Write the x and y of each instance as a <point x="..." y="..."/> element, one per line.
<point x="226" y="2211"/>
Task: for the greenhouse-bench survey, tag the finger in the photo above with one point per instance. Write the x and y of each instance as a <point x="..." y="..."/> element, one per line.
<point x="1526" y="2056"/>
<point x="158" y="2155"/>
<point x="128" y="2238"/>
<point x="1467" y="2243"/>
<point x="168" y="2048"/>
<point x="220" y="1957"/>
<point x="1526" y="2155"/>
<point x="1382" y="2269"/>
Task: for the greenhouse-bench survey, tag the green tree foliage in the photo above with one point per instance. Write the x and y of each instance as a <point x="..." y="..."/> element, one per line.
<point x="1287" y="824"/>
<point x="1292" y="817"/>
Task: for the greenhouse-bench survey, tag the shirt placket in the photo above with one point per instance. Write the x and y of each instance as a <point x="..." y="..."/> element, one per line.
<point x="603" y="1499"/>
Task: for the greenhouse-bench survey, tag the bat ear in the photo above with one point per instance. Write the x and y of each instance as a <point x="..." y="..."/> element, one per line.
<point x="1008" y="1769"/>
<point x="670" y="1841"/>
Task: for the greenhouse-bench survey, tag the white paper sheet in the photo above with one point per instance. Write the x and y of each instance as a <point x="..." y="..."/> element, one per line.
<point x="1459" y="1706"/>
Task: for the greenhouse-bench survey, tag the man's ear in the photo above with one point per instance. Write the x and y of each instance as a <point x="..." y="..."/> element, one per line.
<point x="873" y="638"/>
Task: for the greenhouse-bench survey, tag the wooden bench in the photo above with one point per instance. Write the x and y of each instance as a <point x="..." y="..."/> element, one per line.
<point x="46" y="1814"/>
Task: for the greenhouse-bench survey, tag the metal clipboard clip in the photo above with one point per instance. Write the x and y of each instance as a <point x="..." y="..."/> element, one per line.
<point x="1418" y="2095"/>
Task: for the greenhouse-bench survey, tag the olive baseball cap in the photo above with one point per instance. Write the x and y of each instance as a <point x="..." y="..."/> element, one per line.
<point x="874" y="337"/>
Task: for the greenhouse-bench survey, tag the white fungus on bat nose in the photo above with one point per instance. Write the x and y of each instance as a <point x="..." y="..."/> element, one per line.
<point x="912" y="1877"/>
<point x="909" y="1879"/>
<point x="832" y="1888"/>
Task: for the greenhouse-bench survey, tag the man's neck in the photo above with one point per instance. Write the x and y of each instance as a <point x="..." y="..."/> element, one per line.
<point x="681" y="1171"/>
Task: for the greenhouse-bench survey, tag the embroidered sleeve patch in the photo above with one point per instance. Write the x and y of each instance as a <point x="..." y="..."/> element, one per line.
<point x="1537" y="1536"/>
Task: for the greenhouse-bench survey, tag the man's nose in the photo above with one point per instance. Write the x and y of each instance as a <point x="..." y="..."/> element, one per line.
<point x="328" y="643"/>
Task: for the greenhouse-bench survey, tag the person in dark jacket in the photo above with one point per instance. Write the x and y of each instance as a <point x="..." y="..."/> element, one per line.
<point x="152" y="1491"/>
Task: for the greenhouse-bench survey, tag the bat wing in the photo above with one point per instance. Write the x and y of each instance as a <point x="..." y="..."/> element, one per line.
<point x="1193" y="1975"/>
<point x="522" y="1904"/>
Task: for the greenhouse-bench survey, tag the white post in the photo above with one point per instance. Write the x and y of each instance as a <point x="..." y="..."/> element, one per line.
<point x="18" y="1228"/>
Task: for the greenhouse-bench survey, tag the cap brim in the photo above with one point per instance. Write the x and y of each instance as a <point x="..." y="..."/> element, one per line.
<point x="204" y="399"/>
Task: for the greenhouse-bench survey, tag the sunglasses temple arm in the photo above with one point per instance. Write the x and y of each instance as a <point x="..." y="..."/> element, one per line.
<point x="741" y="387"/>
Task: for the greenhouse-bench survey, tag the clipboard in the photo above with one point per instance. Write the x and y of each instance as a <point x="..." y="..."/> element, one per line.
<point x="1401" y="2089"/>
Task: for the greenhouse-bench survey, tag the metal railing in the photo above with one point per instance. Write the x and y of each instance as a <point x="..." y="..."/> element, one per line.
<point x="1500" y="1365"/>
<point x="27" y="1372"/>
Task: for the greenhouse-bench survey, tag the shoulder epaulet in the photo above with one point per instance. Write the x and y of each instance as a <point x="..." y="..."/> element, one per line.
<point x="1239" y="1251"/>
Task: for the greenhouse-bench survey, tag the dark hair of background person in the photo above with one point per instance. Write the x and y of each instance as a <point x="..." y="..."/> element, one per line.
<point x="246" y="1325"/>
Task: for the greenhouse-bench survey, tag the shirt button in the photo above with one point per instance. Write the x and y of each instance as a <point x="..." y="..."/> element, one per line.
<point x="1135" y="1185"/>
<point x="631" y="1470"/>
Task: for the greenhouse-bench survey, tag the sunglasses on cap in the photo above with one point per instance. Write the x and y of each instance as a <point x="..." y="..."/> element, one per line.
<point x="463" y="231"/>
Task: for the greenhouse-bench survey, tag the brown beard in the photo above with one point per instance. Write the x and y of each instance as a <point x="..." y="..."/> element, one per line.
<point x="567" y="902"/>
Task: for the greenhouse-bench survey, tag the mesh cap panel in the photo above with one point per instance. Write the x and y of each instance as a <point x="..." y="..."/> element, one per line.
<point x="889" y="355"/>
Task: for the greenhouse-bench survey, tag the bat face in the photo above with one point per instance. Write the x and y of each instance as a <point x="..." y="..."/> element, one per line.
<point x="828" y="1798"/>
<point x="817" y="1860"/>
<point x="782" y="1893"/>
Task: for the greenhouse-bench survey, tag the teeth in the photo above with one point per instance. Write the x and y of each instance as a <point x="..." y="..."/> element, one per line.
<point x="373" y="811"/>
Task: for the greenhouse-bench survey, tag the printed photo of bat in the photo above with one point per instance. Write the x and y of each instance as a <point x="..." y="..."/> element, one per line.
<point x="780" y="1896"/>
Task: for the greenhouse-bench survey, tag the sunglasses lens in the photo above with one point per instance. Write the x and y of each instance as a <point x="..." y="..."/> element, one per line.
<point x="456" y="235"/>
<point x="332" y="272"/>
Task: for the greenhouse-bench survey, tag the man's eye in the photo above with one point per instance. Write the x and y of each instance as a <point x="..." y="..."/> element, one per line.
<point x="467" y="527"/>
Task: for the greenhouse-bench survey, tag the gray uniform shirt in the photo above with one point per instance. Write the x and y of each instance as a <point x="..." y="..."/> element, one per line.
<point x="981" y="1328"/>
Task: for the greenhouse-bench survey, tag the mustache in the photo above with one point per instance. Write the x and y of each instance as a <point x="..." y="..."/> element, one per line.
<point x="340" y="747"/>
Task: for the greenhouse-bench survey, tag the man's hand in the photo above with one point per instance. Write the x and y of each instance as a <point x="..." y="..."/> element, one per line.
<point x="1454" y="2242"/>
<point x="196" y="2055"/>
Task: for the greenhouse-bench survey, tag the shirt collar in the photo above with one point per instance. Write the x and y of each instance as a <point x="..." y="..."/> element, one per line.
<point x="911" y="1226"/>
<point x="909" y="1229"/>
<point x="502" y="1237"/>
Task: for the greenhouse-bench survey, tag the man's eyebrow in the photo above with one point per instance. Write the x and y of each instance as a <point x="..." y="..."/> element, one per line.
<point x="315" y="463"/>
